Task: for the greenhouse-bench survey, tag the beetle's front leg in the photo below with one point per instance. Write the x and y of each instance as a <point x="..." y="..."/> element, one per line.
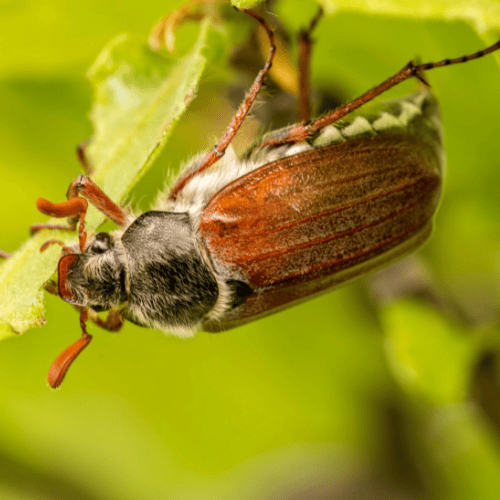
<point x="219" y="149"/>
<point x="87" y="188"/>
<point x="112" y="323"/>
<point x="4" y="255"/>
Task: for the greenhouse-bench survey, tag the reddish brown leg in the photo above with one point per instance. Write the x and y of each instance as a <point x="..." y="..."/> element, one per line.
<point x="303" y="131"/>
<point x="218" y="151"/>
<point x="305" y="46"/>
<point x="87" y="188"/>
<point x="49" y="243"/>
<point x="51" y="287"/>
<point x="4" y="255"/>
<point x="63" y="227"/>
<point x="82" y="158"/>
<point x="112" y="323"/>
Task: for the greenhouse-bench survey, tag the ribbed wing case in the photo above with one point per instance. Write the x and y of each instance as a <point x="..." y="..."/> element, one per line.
<point x="306" y="223"/>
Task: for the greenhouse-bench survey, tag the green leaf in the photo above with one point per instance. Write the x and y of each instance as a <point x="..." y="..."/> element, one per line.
<point x="482" y="14"/>
<point x="430" y="355"/>
<point x="139" y="96"/>
<point x="462" y="450"/>
<point x="245" y="4"/>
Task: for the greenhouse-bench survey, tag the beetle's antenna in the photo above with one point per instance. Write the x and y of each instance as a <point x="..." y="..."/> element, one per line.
<point x="218" y="151"/>
<point x="74" y="207"/>
<point x="61" y="365"/>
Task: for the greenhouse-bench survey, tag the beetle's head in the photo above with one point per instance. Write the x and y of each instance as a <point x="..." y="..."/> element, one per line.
<point x="91" y="274"/>
<point x="94" y="278"/>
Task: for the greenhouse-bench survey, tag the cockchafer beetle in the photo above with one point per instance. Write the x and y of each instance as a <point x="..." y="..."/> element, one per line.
<point x="306" y="209"/>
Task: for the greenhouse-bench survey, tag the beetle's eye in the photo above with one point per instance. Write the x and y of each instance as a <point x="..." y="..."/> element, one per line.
<point x="101" y="243"/>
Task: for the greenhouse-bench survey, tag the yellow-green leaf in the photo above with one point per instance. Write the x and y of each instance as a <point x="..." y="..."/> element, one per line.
<point x="139" y="96"/>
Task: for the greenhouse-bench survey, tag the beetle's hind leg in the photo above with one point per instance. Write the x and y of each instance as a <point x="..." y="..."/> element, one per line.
<point x="303" y="131"/>
<point x="305" y="43"/>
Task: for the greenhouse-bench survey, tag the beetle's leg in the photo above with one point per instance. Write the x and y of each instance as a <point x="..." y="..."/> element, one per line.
<point x="87" y="188"/>
<point x="112" y="323"/>
<point x="4" y="255"/>
<point x="49" y="243"/>
<point x="62" y="227"/>
<point x="51" y="287"/>
<point x="305" y="46"/>
<point x="82" y="157"/>
<point x="218" y="151"/>
<point x="303" y="131"/>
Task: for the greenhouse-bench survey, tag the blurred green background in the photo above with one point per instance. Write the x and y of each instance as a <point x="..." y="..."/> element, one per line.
<point x="343" y="397"/>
